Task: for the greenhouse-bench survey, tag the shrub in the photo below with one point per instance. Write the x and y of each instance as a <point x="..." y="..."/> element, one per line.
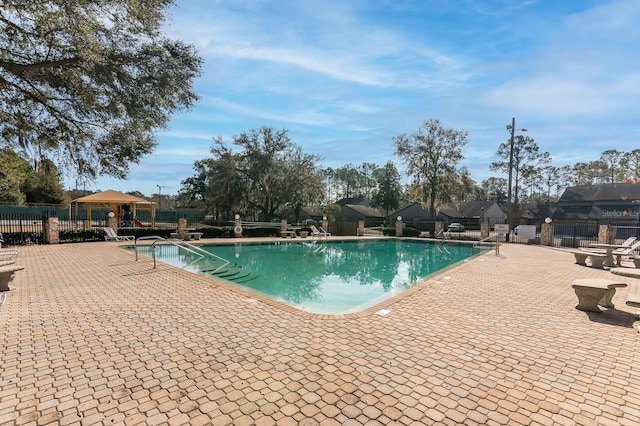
<point x="406" y="232"/>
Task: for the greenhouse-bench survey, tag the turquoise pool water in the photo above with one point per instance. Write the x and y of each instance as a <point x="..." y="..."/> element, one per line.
<point x="322" y="277"/>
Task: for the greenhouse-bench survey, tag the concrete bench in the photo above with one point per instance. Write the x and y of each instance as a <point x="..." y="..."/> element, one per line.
<point x="186" y="236"/>
<point x="9" y="254"/>
<point x="6" y="275"/>
<point x="597" y="259"/>
<point x="633" y="300"/>
<point x="288" y="234"/>
<point x="592" y="292"/>
<point x="636" y="261"/>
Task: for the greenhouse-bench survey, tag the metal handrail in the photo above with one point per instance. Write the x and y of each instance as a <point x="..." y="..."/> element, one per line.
<point x="484" y="240"/>
<point x="198" y="251"/>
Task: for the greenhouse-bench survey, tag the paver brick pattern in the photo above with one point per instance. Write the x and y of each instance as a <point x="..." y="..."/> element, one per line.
<point x="92" y="337"/>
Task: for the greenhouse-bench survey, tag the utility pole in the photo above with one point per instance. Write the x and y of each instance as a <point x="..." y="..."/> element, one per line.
<point x="512" y="128"/>
<point x="160" y="195"/>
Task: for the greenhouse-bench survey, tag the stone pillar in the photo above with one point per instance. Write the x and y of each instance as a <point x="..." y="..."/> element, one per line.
<point x="237" y="226"/>
<point x="546" y="234"/>
<point x="399" y="226"/>
<point x="50" y="234"/>
<point x="360" y="230"/>
<point x="325" y="223"/>
<point x="606" y="234"/>
<point x="485" y="228"/>
<point x="182" y="223"/>
<point x="283" y="225"/>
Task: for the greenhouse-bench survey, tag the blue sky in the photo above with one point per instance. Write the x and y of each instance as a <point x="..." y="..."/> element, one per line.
<point x="345" y="77"/>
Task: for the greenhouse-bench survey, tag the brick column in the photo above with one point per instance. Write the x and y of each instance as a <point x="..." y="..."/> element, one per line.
<point x="606" y="234"/>
<point x="237" y="226"/>
<point x="546" y="234"/>
<point x="399" y="226"/>
<point x="50" y="234"/>
<point x="485" y="228"/>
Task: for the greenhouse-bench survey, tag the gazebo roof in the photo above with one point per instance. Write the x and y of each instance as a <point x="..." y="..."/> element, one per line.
<point x="111" y="197"/>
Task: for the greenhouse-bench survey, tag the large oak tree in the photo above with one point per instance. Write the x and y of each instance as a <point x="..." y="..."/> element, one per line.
<point x="87" y="83"/>
<point x="431" y="155"/>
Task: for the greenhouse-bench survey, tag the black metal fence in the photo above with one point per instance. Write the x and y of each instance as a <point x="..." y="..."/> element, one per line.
<point x="21" y="229"/>
<point x="26" y="226"/>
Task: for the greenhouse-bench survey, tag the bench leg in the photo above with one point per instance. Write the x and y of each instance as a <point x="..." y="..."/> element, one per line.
<point x="607" y="299"/>
<point x="581" y="259"/>
<point x="5" y="279"/>
<point x="597" y="262"/>
<point x="590" y="298"/>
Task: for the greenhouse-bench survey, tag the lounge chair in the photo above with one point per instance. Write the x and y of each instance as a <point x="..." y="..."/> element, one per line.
<point x="627" y="251"/>
<point x="619" y="252"/>
<point x="627" y="243"/>
<point x="315" y="232"/>
<point x="323" y="231"/>
<point x="111" y="235"/>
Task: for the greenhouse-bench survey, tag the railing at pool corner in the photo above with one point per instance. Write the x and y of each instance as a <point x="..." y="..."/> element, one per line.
<point x="484" y="240"/>
<point x="198" y="251"/>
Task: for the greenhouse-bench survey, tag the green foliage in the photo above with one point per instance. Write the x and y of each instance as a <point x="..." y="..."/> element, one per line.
<point x="88" y="83"/>
<point x="268" y="174"/>
<point x="407" y="231"/>
<point x="72" y="236"/>
<point x="388" y="193"/>
<point x="528" y="160"/>
<point x="259" y="231"/>
<point x="431" y="154"/>
<point x="44" y="185"/>
<point x="14" y="172"/>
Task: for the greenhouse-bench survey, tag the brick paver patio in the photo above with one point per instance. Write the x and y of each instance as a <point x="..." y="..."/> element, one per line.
<point x="89" y="336"/>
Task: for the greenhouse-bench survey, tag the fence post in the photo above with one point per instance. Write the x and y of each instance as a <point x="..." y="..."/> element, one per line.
<point x="546" y="234"/>
<point x="50" y="231"/>
<point x="485" y="228"/>
<point x="606" y="234"/>
<point x="399" y="226"/>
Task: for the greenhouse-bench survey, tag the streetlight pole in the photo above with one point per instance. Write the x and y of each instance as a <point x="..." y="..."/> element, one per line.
<point x="512" y="128"/>
<point x="160" y="195"/>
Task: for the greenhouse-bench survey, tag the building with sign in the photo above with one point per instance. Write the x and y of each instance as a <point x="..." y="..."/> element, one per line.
<point x="613" y="203"/>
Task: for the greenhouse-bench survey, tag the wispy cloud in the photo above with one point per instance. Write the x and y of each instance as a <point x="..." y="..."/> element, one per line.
<point x="345" y="77"/>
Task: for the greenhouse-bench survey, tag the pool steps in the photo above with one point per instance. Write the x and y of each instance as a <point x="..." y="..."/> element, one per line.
<point x="233" y="273"/>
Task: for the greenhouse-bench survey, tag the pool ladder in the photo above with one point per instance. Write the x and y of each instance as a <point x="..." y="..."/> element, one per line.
<point x="198" y="251"/>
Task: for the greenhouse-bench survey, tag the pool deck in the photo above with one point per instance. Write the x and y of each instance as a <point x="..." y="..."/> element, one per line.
<point x="92" y="337"/>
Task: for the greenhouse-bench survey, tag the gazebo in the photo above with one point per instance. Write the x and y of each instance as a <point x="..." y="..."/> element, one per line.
<point x="114" y="200"/>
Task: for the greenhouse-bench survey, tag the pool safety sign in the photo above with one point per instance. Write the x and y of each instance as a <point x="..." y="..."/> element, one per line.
<point x="501" y="228"/>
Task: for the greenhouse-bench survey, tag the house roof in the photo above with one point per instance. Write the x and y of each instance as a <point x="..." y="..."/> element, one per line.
<point x="364" y="210"/>
<point x="406" y="206"/>
<point x="474" y="208"/>
<point x="354" y="201"/>
<point x="622" y="192"/>
<point x="450" y="212"/>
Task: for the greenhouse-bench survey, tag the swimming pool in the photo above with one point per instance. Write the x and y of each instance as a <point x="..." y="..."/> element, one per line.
<point x="322" y="277"/>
